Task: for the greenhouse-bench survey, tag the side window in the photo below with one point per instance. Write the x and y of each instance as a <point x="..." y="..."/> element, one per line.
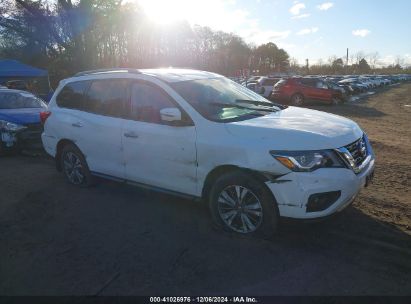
<point x="72" y="95"/>
<point x="107" y="97"/>
<point x="321" y="85"/>
<point x="305" y="81"/>
<point x="147" y="101"/>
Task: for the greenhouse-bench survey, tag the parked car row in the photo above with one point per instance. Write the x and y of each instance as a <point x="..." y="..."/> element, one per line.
<point x="296" y="90"/>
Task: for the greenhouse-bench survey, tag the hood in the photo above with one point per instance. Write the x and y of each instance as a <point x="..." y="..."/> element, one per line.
<point x="21" y="116"/>
<point x="298" y="129"/>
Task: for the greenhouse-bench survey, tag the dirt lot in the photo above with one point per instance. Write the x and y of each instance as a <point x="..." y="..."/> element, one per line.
<point x="115" y="239"/>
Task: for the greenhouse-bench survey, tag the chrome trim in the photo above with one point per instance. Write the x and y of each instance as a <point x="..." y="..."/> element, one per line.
<point x="348" y="159"/>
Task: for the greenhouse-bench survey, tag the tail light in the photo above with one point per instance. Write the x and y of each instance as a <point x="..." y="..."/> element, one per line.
<point x="43" y="116"/>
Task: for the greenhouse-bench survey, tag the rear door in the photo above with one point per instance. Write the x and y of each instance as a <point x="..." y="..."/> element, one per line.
<point x="322" y="91"/>
<point x="157" y="153"/>
<point x="99" y="125"/>
<point x="308" y="88"/>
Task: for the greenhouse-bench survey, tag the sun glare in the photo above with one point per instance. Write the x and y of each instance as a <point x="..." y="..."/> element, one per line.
<point x="217" y="14"/>
<point x="166" y="12"/>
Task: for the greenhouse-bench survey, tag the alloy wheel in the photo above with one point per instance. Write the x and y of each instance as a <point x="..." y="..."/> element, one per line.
<point x="336" y="101"/>
<point x="298" y="100"/>
<point x="240" y="209"/>
<point x="73" y="168"/>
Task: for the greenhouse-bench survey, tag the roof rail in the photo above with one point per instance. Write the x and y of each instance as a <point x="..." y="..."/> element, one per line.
<point x="98" y="71"/>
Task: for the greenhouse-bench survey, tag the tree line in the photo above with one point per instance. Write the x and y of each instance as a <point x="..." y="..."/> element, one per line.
<point x="66" y="36"/>
<point x="357" y="63"/>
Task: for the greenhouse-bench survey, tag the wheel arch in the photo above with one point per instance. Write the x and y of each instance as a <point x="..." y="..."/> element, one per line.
<point x="297" y="93"/>
<point x="214" y="174"/>
<point x="60" y="145"/>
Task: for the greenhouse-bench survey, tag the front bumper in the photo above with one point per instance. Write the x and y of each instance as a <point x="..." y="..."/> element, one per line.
<point x="28" y="138"/>
<point x="293" y="190"/>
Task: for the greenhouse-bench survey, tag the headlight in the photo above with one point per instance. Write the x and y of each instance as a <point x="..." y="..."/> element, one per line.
<point x="307" y="161"/>
<point x="11" y="127"/>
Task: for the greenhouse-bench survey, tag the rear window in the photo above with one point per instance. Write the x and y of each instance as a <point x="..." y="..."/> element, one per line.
<point x="280" y="83"/>
<point x="16" y="100"/>
<point x="71" y="96"/>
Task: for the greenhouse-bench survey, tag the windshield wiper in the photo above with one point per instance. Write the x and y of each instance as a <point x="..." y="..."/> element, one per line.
<point x="261" y="103"/>
<point x="234" y="105"/>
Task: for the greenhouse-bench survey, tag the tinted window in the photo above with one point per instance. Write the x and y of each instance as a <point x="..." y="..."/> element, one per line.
<point x="270" y="82"/>
<point x="308" y="82"/>
<point x="147" y="101"/>
<point x="321" y="85"/>
<point x="71" y="96"/>
<point x="280" y="83"/>
<point x="217" y="99"/>
<point x="106" y="97"/>
<point x="19" y="101"/>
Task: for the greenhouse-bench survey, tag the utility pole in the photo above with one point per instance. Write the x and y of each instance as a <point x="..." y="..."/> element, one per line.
<point x="346" y="62"/>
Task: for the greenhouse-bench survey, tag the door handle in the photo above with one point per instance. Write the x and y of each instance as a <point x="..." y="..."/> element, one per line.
<point x="77" y="124"/>
<point x="131" y="135"/>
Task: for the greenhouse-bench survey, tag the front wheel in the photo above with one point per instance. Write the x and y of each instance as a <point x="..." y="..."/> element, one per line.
<point x="239" y="203"/>
<point x="297" y="100"/>
<point x="336" y="100"/>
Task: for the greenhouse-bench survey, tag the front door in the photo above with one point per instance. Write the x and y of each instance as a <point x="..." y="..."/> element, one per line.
<point x="157" y="153"/>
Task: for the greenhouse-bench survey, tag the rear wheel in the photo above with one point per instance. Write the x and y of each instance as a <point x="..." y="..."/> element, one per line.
<point x="336" y="100"/>
<point x="297" y="100"/>
<point x="74" y="166"/>
<point x="239" y="203"/>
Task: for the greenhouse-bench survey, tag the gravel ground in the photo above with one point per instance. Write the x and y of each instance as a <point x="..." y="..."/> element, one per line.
<point x="115" y="239"/>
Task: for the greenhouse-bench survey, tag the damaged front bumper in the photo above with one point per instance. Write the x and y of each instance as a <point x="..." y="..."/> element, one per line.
<point x="26" y="137"/>
<point x="9" y="138"/>
<point x="294" y="191"/>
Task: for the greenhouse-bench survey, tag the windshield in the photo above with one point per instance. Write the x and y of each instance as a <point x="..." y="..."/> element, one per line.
<point x="223" y="100"/>
<point x="13" y="100"/>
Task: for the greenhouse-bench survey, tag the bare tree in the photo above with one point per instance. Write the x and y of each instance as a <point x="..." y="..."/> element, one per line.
<point x="399" y="61"/>
<point x="358" y="56"/>
<point x="373" y="59"/>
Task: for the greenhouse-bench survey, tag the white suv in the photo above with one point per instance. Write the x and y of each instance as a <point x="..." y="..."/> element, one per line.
<point x="201" y="135"/>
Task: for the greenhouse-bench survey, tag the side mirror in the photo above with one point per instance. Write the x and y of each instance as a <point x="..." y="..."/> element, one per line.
<point x="170" y="114"/>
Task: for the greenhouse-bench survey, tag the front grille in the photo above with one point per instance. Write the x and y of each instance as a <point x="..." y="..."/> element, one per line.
<point x="358" y="151"/>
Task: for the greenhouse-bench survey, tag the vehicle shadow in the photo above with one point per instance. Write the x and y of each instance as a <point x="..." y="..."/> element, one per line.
<point x="349" y="109"/>
<point x="116" y="239"/>
<point x="351" y="253"/>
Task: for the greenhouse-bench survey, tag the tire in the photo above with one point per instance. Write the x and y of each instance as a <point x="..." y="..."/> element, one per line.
<point x="255" y="215"/>
<point x="262" y="91"/>
<point x="74" y="167"/>
<point x="297" y="100"/>
<point x="336" y="101"/>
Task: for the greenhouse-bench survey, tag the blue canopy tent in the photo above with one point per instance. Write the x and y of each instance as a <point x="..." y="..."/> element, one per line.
<point x="15" y="70"/>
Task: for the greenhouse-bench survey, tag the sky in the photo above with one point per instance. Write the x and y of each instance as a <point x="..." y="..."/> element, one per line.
<point x="305" y="29"/>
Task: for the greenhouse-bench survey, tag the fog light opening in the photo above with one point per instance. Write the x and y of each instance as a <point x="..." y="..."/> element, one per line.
<point x="321" y="201"/>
